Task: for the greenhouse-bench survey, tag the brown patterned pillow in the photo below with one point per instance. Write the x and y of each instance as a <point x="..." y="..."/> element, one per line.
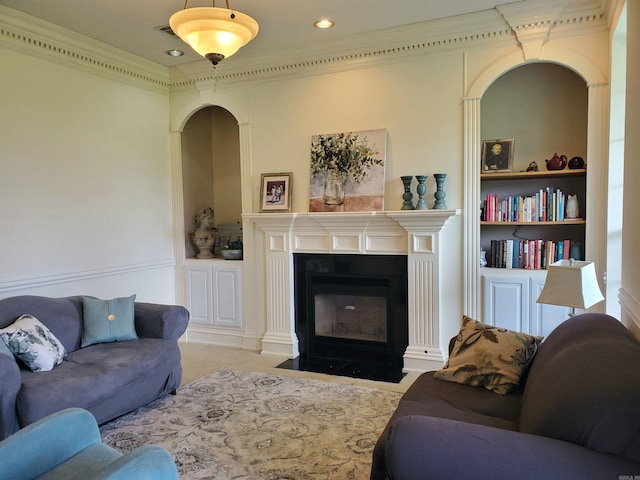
<point x="491" y="357"/>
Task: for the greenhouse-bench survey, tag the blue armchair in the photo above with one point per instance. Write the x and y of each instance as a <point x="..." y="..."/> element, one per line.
<point x="67" y="445"/>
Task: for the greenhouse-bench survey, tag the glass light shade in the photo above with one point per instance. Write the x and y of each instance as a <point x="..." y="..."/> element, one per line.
<point x="212" y="32"/>
<point x="571" y="283"/>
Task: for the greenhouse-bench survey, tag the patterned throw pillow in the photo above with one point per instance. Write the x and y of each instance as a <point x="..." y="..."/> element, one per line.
<point x="33" y="343"/>
<point x="107" y="321"/>
<point x="491" y="357"/>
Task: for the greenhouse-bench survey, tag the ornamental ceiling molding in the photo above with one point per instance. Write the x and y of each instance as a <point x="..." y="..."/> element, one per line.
<point x="400" y="44"/>
<point x="523" y="27"/>
<point x="50" y="42"/>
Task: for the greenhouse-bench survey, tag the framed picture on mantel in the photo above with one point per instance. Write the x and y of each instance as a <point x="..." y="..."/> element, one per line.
<point x="275" y="192"/>
<point x="497" y="155"/>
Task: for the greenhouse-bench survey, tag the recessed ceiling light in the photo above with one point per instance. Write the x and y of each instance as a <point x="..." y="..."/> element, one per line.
<point x="324" y="23"/>
<point x="174" y="53"/>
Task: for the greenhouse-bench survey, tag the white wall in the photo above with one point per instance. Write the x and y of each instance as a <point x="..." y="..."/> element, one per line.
<point x="630" y="292"/>
<point x="85" y="198"/>
<point x="417" y="98"/>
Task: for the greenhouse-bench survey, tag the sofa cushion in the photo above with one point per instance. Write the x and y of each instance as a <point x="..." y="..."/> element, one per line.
<point x="62" y="316"/>
<point x="584" y="387"/>
<point x="101" y="378"/>
<point x="5" y="349"/>
<point x="487" y="356"/>
<point x="430" y="397"/>
<point x="108" y="320"/>
<point x="33" y="343"/>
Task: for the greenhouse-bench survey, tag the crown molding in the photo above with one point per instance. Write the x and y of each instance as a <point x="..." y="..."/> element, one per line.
<point x="509" y="25"/>
<point x="513" y="26"/>
<point x="48" y="41"/>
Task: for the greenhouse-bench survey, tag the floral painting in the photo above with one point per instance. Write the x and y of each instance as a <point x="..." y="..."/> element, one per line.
<point x="347" y="171"/>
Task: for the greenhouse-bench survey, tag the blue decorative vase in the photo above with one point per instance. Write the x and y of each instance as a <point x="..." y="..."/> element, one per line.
<point x="422" y="190"/>
<point x="440" y="193"/>
<point x="407" y="196"/>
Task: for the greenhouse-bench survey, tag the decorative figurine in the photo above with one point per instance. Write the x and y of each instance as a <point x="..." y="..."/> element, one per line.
<point x="576" y="162"/>
<point x="533" y="167"/>
<point x="556" y="162"/>
<point x="572" y="206"/>
<point x="203" y="236"/>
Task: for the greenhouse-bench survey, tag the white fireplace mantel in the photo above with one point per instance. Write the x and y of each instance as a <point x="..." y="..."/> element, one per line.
<point x="414" y="233"/>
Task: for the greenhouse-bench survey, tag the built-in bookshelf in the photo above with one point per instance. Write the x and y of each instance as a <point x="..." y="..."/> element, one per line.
<point x="524" y="222"/>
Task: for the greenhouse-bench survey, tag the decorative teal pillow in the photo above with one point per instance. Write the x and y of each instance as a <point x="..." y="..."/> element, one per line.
<point x="33" y="343"/>
<point x="108" y="320"/>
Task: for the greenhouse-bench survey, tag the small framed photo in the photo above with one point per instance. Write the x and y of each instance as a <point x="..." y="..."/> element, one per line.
<point x="275" y="192"/>
<point x="497" y="155"/>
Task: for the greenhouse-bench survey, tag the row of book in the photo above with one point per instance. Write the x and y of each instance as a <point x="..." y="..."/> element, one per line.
<point x="547" y="205"/>
<point x="528" y="254"/>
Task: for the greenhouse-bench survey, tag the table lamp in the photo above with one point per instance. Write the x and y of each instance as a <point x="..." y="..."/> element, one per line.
<point x="571" y="283"/>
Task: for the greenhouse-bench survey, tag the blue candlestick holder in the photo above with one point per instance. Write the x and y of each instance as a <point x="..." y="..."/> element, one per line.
<point x="422" y="190"/>
<point x="407" y="196"/>
<point x="440" y="193"/>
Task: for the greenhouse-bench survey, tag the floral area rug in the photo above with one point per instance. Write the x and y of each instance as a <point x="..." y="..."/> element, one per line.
<point x="240" y="426"/>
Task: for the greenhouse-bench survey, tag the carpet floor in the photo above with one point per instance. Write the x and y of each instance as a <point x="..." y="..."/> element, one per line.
<point x="255" y="426"/>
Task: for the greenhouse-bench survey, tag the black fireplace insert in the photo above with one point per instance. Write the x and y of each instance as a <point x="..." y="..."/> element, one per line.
<point x="351" y="314"/>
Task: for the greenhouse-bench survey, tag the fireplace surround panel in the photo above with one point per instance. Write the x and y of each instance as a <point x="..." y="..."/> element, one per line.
<point x="413" y="234"/>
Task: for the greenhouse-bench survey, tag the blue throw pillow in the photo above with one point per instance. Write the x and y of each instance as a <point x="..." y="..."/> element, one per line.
<point x="108" y="320"/>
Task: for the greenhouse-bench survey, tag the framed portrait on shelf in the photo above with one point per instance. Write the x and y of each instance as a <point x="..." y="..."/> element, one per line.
<point x="497" y="155"/>
<point x="275" y="192"/>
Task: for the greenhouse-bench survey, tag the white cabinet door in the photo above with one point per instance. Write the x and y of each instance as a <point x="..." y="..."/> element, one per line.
<point x="199" y="294"/>
<point x="214" y="292"/>
<point x="544" y="318"/>
<point x="227" y="299"/>
<point x="506" y="301"/>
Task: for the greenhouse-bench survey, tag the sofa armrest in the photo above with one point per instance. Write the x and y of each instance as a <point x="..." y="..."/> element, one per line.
<point x="10" y="383"/>
<point x="160" y="321"/>
<point x="148" y="462"/>
<point x="421" y="447"/>
<point x="51" y="441"/>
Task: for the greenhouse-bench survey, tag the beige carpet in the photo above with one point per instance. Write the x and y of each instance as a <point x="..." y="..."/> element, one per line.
<point x="239" y="426"/>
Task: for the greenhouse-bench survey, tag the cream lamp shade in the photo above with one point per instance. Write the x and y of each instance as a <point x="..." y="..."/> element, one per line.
<point x="215" y="33"/>
<point x="571" y="283"/>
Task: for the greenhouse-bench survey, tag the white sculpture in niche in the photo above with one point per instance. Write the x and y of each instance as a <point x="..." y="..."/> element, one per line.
<point x="203" y="236"/>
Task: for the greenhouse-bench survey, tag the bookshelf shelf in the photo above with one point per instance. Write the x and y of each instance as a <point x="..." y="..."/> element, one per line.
<point x="523" y="201"/>
<point x="533" y="175"/>
<point x="574" y="221"/>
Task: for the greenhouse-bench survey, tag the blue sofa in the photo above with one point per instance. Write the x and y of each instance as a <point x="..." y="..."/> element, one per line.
<point x="66" y="445"/>
<point x="107" y="379"/>
<point x="575" y="415"/>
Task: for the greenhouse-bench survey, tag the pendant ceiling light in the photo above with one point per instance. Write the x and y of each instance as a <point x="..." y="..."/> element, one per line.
<point x="215" y="33"/>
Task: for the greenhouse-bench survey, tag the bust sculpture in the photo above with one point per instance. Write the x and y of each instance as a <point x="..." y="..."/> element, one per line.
<point x="203" y="236"/>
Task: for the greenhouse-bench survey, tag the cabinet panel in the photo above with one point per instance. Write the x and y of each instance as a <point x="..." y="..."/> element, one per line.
<point x="226" y="297"/>
<point x="544" y="318"/>
<point x="198" y="291"/>
<point x="214" y="292"/>
<point x="506" y="301"/>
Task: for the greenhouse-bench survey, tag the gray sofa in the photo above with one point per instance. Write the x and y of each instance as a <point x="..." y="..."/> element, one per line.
<point x="107" y="379"/>
<point x="576" y="415"/>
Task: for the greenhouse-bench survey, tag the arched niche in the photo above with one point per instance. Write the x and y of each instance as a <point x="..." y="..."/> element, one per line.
<point x="211" y="174"/>
<point x="181" y="114"/>
<point x="596" y="155"/>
